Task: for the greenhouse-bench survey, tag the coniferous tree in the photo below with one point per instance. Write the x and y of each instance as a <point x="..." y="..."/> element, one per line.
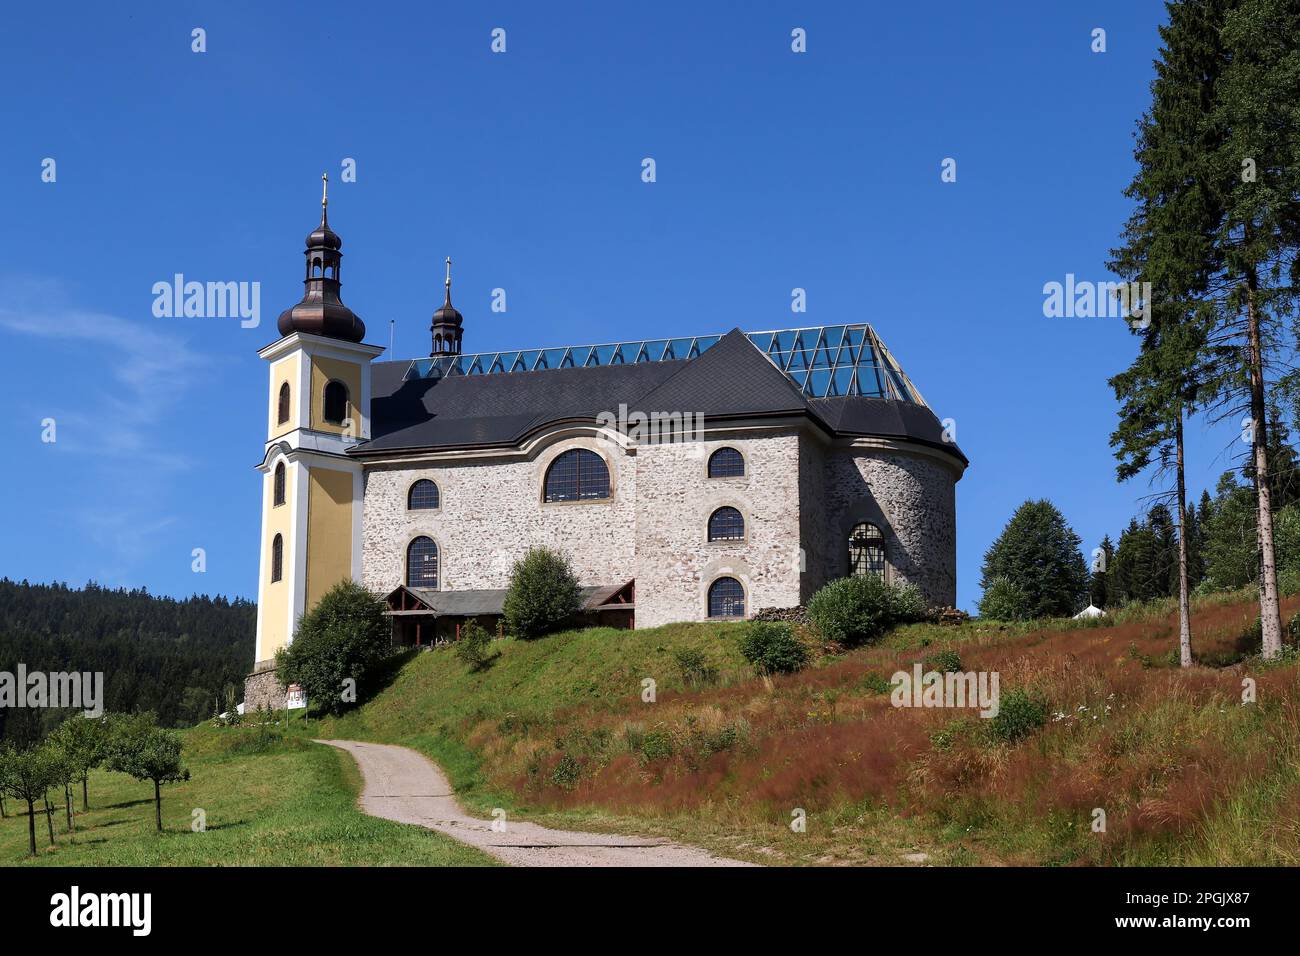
<point x="1165" y="247"/>
<point x="1255" y="115"/>
<point x="1195" y="548"/>
<point x="1038" y="552"/>
<point x="1099" y="593"/>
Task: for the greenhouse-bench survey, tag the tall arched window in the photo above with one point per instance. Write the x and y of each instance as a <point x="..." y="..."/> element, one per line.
<point x="277" y="558"/>
<point x="577" y="475"/>
<point x="866" y="551"/>
<point x="423" y="494"/>
<point x="278" y="498"/>
<point x="726" y="463"/>
<point x="726" y="598"/>
<point x="282" y="415"/>
<point x="336" y="403"/>
<point x="726" y="524"/>
<point x="422" y="563"/>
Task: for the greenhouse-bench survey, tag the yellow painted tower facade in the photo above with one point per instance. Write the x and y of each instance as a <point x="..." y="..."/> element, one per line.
<point x="318" y="398"/>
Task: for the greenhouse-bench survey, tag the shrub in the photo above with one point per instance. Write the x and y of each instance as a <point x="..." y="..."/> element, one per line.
<point x="906" y="605"/>
<point x="1004" y="600"/>
<point x="567" y="772"/>
<point x="694" y="666"/>
<point x="472" y="648"/>
<point x="857" y="610"/>
<point x="543" y="594"/>
<point x="340" y="639"/>
<point x="946" y="662"/>
<point x="876" y="683"/>
<point x="656" y="745"/>
<point x="946" y="736"/>
<point x="772" y="648"/>
<point x="1019" y="715"/>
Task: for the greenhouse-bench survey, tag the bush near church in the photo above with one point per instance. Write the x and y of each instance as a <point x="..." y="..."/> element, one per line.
<point x="543" y="595"/>
<point x="472" y="647"/>
<point x="858" y="610"/>
<point x="340" y="639"/>
<point x="773" y="648"/>
<point x="1004" y="600"/>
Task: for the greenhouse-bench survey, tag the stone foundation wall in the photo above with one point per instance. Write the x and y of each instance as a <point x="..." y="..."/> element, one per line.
<point x="261" y="687"/>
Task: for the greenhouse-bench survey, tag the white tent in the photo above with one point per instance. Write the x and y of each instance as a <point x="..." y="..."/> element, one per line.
<point x="1090" y="611"/>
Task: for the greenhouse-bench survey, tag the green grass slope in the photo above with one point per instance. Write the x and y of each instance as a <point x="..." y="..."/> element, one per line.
<point x="269" y="801"/>
<point x="557" y="730"/>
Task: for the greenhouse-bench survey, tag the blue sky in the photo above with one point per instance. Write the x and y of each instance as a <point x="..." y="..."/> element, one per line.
<point x="775" y="170"/>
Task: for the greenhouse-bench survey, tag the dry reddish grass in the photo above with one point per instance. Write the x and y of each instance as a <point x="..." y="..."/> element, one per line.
<point x="1159" y="749"/>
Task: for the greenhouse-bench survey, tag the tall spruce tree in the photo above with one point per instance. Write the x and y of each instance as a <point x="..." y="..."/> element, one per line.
<point x="1253" y="168"/>
<point x="1165" y="247"/>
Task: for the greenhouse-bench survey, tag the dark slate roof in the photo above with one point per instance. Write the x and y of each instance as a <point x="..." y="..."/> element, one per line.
<point x="733" y="379"/>
<point x="883" y="418"/>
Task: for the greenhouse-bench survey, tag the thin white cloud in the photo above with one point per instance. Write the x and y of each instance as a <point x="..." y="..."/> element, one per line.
<point x="151" y="368"/>
<point x="136" y="379"/>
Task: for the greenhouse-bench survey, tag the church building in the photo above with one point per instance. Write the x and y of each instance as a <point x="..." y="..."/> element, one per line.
<point x="692" y="478"/>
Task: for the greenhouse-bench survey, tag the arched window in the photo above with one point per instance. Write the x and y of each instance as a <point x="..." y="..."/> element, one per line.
<point x="726" y="463"/>
<point x="577" y="475"/>
<point x="336" y="403"/>
<point x="423" y="494"/>
<point x="866" y="551"/>
<point x="726" y="524"/>
<point x="278" y="498"/>
<point x="726" y="598"/>
<point x="422" y="563"/>
<point x="283" y="414"/>
<point x="277" y="558"/>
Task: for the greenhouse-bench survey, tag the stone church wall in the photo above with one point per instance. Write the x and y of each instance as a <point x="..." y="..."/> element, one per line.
<point x="912" y="498"/>
<point x="800" y="497"/>
<point x="676" y="563"/>
<point x="491" y="513"/>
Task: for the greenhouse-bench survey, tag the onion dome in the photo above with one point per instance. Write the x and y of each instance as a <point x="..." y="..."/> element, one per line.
<point x="447" y="324"/>
<point x="321" y="311"/>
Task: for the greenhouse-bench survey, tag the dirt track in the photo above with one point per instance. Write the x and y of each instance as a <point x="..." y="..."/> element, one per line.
<point x="405" y="786"/>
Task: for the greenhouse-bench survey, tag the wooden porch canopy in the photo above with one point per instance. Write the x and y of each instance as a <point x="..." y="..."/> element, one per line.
<point x="410" y="602"/>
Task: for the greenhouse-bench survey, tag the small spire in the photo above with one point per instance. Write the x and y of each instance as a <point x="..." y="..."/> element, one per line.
<point x="324" y="194"/>
<point x="447" y="323"/>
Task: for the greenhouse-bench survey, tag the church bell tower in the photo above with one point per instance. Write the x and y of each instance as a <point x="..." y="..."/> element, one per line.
<point x="318" y="401"/>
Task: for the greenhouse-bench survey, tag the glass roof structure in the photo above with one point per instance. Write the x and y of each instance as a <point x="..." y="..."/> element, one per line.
<point x="823" y="362"/>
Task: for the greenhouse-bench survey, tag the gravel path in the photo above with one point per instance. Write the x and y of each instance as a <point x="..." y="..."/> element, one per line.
<point x="405" y="786"/>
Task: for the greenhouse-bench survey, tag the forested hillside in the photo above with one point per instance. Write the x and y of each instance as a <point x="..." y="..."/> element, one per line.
<point x="175" y="657"/>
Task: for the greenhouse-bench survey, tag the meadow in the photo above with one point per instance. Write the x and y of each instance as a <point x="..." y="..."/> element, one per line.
<point x="1185" y="771"/>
